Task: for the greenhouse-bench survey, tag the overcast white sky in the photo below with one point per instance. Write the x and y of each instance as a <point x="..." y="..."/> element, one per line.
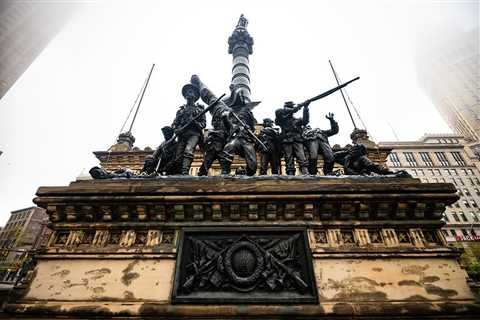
<point x="74" y="98"/>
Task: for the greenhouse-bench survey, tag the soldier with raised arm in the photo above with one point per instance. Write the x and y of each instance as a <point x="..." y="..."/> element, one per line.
<point x="316" y="141"/>
<point x="291" y="135"/>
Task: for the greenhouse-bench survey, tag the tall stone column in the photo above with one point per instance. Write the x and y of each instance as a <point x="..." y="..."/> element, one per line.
<point x="240" y="45"/>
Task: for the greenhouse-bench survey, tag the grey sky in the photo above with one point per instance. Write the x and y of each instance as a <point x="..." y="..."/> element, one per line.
<point x="75" y="96"/>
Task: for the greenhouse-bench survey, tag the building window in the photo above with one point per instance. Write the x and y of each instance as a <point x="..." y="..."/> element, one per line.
<point x="420" y="172"/>
<point x="470" y="171"/>
<point x="455" y="216"/>
<point x="442" y="159"/>
<point x="426" y="159"/>
<point x="453" y="232"/>
<point x="442" y="180"/>
<point x="458" y="158"/>
<point x="465" y="233"/>
<point x="467" y="192"/>
<point x="410" y="159"/>
<point x="466" y="203"/>
<point x="445" y="216"/>
<point x="477" y="182"/>
<point x="453" y="181"/>
<point x="414" y="172"/>
<point x="474" y="216"/>
<point x="474" y="204"/>
<point x="435" y="180"/>
<point x="447" y="172"/>
<point x="464" y="217"/>
<point x="471" y="181"/>
<point x="437" y="172"/>
<point x="460" y="182"/>
<point x="477" y="192"/>
<point x="453" y="171"/>
<point x="394" y="159"/>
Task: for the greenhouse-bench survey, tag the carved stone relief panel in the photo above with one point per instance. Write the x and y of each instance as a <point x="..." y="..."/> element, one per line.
<point x="218" y="266"/>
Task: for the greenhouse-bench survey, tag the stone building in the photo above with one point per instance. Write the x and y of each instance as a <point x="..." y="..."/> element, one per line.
<point x="440" y="158"/>
<point x="448" y="70"/>
<point x="25" y="231"/>
<point x="21" y="37"/>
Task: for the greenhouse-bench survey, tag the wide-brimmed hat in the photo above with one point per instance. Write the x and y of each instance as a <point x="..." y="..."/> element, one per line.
<point x="267" y="120"/>
<point x="189" y="86"/>
<point x="289" y="104"/>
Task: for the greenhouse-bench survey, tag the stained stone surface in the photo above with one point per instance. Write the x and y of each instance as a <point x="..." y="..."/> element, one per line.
<point x="123" y="248"/>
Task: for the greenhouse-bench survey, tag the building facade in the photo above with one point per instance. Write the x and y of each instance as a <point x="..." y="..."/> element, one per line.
<point x="448" y="71"/>
<point x="25" y="231"/>
<point x="26" y="28"/>
<point x="439" y="159"/>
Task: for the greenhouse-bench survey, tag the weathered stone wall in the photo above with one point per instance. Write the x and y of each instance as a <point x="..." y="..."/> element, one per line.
<point x="395" y="279"/>
<point x="375" y="245"/>
<point x="103" y="280"/>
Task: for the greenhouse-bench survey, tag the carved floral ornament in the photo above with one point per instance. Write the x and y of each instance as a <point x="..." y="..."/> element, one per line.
<point x="122" y="238"/>
<point x="375" y="236"/>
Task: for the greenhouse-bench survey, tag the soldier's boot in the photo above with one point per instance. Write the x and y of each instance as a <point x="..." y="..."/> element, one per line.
<point x="312" y="166"/>
<point x="203" y="171"/>
<point x="328" y="168"/>
<point x="186" y="163"/>
<point x="225" y="165"/>
<point x="225" y="162"/>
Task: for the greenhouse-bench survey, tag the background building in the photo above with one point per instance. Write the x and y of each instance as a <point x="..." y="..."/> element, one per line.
<point x="444" y="158"/>
<point x="449" y="71"/>
<point x="26" y="27"/>
<point x="25" y="231"/>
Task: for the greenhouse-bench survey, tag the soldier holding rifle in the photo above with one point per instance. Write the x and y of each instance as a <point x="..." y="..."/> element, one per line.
<point x="292" y="129"/>
<point x="192" y="135"/>
<point x="291" y="135"/>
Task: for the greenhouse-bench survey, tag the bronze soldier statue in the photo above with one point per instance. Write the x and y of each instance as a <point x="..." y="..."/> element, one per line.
<point x="164" y="156"/>
<point x="316" y="141"/>
<point x="270" y="138"/>
<point x="191" y="136"/>
<point x="355" y="162"/>
<point x="236" y="121"/>
<point x="215" y="141"/>
<point x="291" y="135"/>
<point x="240" y="139"/>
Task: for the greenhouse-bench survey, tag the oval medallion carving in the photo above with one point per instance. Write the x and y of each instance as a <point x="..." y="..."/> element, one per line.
<point x="243" y="263"/>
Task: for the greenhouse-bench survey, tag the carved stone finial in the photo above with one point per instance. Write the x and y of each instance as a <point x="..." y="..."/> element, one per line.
<point x="125" y="142"/>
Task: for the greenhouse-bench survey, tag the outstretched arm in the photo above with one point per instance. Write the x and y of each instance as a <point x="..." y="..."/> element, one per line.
<point x="333" y="126"/>
<point x="306" y="115"/>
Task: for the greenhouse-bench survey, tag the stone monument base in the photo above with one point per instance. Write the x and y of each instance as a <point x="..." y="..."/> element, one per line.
<point x="246" y="247"/>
